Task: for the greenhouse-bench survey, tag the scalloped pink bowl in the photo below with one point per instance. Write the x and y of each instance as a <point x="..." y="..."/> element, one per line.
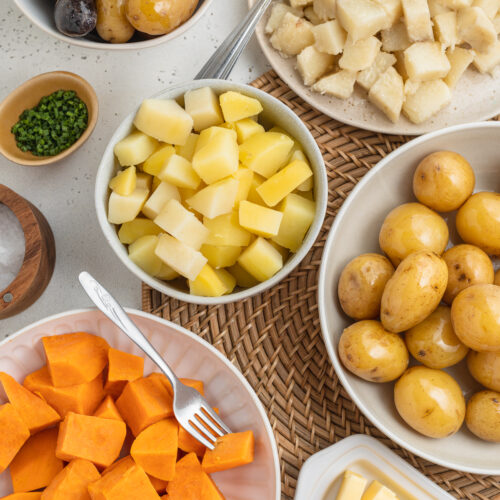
<point x="189" y="356"/>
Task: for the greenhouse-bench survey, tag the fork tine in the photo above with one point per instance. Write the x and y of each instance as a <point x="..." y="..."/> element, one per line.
<point x="194" y="431"/>
<point x="207" y="422"/>
<point x="213" y="415"/>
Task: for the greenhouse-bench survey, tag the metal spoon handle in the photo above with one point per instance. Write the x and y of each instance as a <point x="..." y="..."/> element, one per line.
<point x="224" y="58"/>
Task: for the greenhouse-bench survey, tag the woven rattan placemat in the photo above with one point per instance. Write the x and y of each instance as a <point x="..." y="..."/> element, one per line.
<point x="275" y="338"/>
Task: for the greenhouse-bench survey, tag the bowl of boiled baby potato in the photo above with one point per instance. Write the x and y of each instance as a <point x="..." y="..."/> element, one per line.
<point x="211" y="191"/>
<point x="409" y="297"/>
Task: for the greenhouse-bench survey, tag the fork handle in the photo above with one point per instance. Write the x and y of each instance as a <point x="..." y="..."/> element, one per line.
<point x="224" y="58"/>
<point x="115" y="312"/>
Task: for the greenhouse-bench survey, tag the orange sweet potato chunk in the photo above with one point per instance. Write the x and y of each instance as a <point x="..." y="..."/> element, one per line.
<point x="231" y="450"/>
<point x="75" y="358"/>
<point x="122" y="368"/>
<point x="158" y="484"/>
<point x="36" y="464"/>
<point x="96" y="439"/>
<point x="13" y="434"/>
<point x="81" y="398"/>
<point x="72" y="482"/>
<point x="209" y="490"/>
<point x="155" y="449"/>
<point x="33" y="495"/>
<point x="143" y="402"/>
<point x="35" y="412"/>
<point x="108" y="409"/>
<point x="189" y="444"/>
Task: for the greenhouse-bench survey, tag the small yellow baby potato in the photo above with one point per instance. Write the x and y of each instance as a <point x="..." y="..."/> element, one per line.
<point x="483" y="415"/>
<point x="443" y="181"/>
<point x="478" y="222"/>
<point x="434" y="343"/>
<point x="112" y="23"/>
<point x="362" y="283"/>
<point x="485" y="368"/>
<point x="467" y="265"/>
<point x="412" y="227"/>
<point x="475" y="314"/>
<point x="372" y="353"/>
<point x="430" y="401"/>
<point x="497" y="278"/>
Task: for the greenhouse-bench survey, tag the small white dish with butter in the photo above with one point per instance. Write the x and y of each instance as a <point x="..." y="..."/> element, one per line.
<point x="374" y="472"/>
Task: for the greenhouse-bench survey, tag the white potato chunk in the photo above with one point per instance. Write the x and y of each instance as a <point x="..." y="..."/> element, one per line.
<point x="460" y="60"/>
<point x="411" y="87"/>
<point x="312" y="64"/>
<point x="395" y="38"/>
<point x="476" y="28"/>
<point x="369" y="76"/>
<point x="418" y="20"/>
<point x="329" y="37"/>
<point x="387" y="94"/>
<point x="293" y="35"/>
<point x="456" y="4"/>
<point x="278" y="11"/>
<point x="340" y="84"/>
<point x="361" y="54"/>
<point x="325" y="9"/>
<point x="393" y="9"/>
<point x="445" y="29"/>
<point x="204" y="108"/>
<point x="490" y="7"/>
<point x="126" y="208"/>
<point x="217" y="199"/>
<point x="430" y="98"/>
<point x="310" y="15"/>
<point x="300" y="3"/>
<point x="496" y="23"/>
<point x="161" y="195"/>
<point x="134" y="149"/>
<point x="487" y="62"/>
<point x="436" y="7"/>
<point x="425" y="61"/>
<point x="361" y="18"/>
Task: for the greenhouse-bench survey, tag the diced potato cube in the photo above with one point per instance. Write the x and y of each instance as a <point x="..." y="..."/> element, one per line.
<point x="156" y="183"/>
<point x="393" y="9"/>
<point x="307" y="185"/>
<point x="160" y="197"/>
<point x="208" y="283"/>
<point x="395" y="38"/>
<point x="282" y="250"/>
<point x="134" y="229"/>
<point x="445" y="28"/>
<point x="253" y="196"/>
<point x="329" y="37"/>
<point x="369" y="76"/>
<point x="187" y="193"/>
<point x="436" y="7"/>
<point x="244" y="176"/>
<point x="456" y="4"/>
<point x="418" y="20"/>
<point x="298" y="215"/>
<point x="325" y="9"/>
<point x="340" y="84"/>
<point x="310" y="15"/>
<point x="312" y="64"/>
<point x="284" y="182"/>
<point x="188" y="149"/>
<point x="226" y="230"/>
<point x="217" y="199"/>
<point x="180" y="257"/>
<point x="278" y="11"/>
<point x="496" y="23"/>
<point x="259" y="220"/>
<point x="261" y="260"/>
<point x="487" y="62"/>
<point x="266" y="153"/>
<point x="143" y="180"/>
<point x="179" y="172"/>
<point x="243" y="278"/>
<point x="430" y="98"/>
<point x="490" y="7"/>
<point x="134" y="149"/>
<point x="203" y="106"/>
<point x="126" y="208"/>
<point x="359" y="55"/>
<point x="460" y="60"/>
<point x="156" y="161"/>
<point x="293" y="35"/>
<point x="166" y="273"/>
<point x="411" y="87"/>
<point x="387" y="94"/>
<point x="124" y="181"/>
<point x="246" y="128"/>
<point x="207" y="135"/>
<point x="300" y="3"/>
<point x="227" y="279"/>
<point x="476" y="28"/>
<point x="237" y="106"/>
<point x="425" y="61"/>
<point x="221" y="255"/>
<point x="182" y="224"/>
<point x="400" y="64"/>
<point x="361" y="18"/>
<point x="142" y="253"/>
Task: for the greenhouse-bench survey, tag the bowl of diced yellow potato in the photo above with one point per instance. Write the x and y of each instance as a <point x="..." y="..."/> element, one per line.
<point x="211" y="191"/>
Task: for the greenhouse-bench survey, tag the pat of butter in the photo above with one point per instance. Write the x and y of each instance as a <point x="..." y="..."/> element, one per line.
<point x="377" y="491"/>
<point x="352" y="486"/>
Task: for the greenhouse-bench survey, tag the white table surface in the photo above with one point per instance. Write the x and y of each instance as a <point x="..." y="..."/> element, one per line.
<point x="64" y="192"/>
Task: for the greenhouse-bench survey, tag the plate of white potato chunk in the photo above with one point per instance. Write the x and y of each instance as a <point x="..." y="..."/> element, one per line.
<point x="391" y="66"/>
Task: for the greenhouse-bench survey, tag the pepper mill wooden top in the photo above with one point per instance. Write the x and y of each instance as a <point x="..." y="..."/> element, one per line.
<point x="39" y="256"/>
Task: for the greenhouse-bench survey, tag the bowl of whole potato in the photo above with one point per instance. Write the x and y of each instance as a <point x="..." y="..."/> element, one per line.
<point x="211" y="191"/>
<point x="408" y="302"/>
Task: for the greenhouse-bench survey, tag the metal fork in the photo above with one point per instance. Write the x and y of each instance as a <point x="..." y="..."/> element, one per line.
<point x="191" y="410"/>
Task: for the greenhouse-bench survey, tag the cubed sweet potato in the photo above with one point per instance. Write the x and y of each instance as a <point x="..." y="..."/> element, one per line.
<point x="122" y="368"/>
<point x="32" y="495"/>
<point x="158" y="484"/>
<point x="231" y="450"/>
<point x="14" y="433"/>
<point x="108" y="409"/>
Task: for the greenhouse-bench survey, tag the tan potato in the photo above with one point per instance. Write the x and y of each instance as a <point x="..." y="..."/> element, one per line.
<point x="483" y="415"/>
<point x="372" y="353"/>
<point x="497" y="278"/>
<point x="485" y="368"/>
<point x="158" y="17"/>
<point x="478" y="222"/>
<point x="112" y="23"/>
<point x="430" y="401"/>
<point x="362" y="283"/>
<point x="413" y="291"/>
<point x="443" y="181"/>
<point x="434" y="343"/>
<point x="475" y="314"/>
<point x="467" y="265"/>
<point x="412" y="227"/>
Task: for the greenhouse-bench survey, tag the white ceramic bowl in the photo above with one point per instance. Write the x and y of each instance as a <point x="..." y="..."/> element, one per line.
<point x="275" y="112"/>
<point x="189" y="356"/>
<point x="355" y="231"/>
<point x="40" y="13"/>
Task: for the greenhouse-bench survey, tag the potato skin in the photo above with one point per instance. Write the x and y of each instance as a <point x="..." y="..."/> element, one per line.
<point x="372" y="353"/>
<point x="414" y="291"/>
<point x="467" y="265"/>
<point x="362" y="283"/>
<point x="443" y="181"/>
<point x="475" y="314"/>
<point x="485" y="368"/>
<point x="483" y="415"/>
<point x="434" y="343"/>
<point x="430" y="401"/>
<point x="112" y="24"/>
<point x="478" y="222"/>
<point x="412" y="227"/>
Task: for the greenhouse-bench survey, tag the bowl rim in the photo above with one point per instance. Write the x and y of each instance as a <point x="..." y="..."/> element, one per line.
<point x="136" y="312"/>
<point x="144" y="44"/>
<point x="321" y="200"/>
<point x="322" y="306"/>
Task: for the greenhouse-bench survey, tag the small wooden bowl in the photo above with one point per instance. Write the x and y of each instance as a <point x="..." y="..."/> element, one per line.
<point x="27" y="96"/>
<point x="39" y="256"/>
